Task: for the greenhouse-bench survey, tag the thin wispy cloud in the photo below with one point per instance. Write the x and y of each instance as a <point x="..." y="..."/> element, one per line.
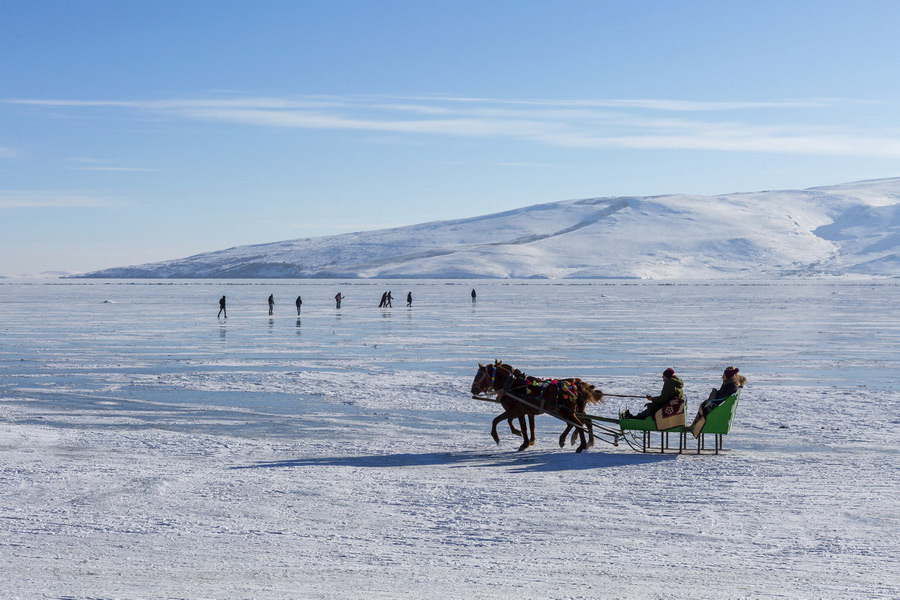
<point x="530" y="165"/>
<point x="650" y="104"/>
<point x="647" y="124"/>
<point x="83" y="163"/>
<point x="114" y="169"/>
<point x="48" y="199"/>
<point x="511" y="165"/>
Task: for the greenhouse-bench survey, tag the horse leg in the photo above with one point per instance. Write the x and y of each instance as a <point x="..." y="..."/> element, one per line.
<point x="533" y="437"/>
<point x="509" y="419"/>
<point x="570" y="415"/>
<point x="590" y="428"/>
<point x="562" y="438"/>
<point x="525" y="442"/>
<point x="495" y="422"/>
<point x="584" y="445"/>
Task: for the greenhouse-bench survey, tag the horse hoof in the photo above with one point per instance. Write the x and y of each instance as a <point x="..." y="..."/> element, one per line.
<point x="580" y="449"/>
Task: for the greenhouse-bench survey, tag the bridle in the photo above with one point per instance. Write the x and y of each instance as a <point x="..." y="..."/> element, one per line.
<point x="490" y="374"/>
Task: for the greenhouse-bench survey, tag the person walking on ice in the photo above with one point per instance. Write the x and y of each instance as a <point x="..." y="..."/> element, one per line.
<point x="299" y="303"/>
<point x="271" y="303"/>
<point x="409" y="299"/>
<point x="337" y="299"/>
<point x="222" y="307"/>
<point x="473" y="295"/>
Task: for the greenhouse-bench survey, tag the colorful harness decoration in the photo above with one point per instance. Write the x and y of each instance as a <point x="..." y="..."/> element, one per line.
<point x="533" y="388"/>
<point x="565" y="390"/>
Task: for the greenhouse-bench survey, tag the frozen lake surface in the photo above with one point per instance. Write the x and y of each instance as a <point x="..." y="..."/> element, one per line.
<point x="150" y="449"/>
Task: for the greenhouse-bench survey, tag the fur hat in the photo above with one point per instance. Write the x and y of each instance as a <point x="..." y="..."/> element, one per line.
<point x="668" y="372"/>
<point x="730" y="372"/>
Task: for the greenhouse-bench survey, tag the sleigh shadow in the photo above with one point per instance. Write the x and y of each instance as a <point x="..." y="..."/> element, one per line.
<point x="518" y="462"/>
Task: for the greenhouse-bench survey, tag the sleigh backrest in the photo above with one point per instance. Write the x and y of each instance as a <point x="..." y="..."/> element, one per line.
<point x="720" y="419"/>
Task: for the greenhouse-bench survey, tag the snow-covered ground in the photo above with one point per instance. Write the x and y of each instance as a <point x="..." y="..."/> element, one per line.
<point x="151" y="450"/>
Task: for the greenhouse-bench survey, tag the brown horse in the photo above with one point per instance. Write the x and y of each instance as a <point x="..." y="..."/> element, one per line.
<point x="499" y="378"/>
<point x="565" y="398"/>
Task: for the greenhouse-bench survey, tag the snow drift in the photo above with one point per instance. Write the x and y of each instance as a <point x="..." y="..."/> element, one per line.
<point x="850" y="229"/>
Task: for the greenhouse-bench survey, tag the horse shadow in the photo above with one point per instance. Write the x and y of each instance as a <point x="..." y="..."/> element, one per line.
<point x="569" y="461"/>
<point x="518" y="462"/>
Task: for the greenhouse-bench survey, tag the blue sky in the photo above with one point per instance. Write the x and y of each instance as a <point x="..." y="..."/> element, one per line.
<point x="133" y="132"/>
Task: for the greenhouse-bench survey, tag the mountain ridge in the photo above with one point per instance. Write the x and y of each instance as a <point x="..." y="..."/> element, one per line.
<point x="851" y="229"/>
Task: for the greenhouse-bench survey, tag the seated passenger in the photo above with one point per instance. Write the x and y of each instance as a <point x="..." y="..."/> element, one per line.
<point x="673" y="387"/>
<point x="731" y="382"/>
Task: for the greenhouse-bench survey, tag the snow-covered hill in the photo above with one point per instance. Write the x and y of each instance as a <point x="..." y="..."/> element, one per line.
<point x="850" y="229"/>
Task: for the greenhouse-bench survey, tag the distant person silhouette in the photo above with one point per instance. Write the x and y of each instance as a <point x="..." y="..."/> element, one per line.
<point x="409" y="299"/>
<point x="271" y="303"/>
<point x="389" y="299"/>
<point x="383" y="302"/>
<point x="222" y="307"/>
<point x="337" y="299"/>
<point x="299" y="303"/>
<point x="473" y="295"/>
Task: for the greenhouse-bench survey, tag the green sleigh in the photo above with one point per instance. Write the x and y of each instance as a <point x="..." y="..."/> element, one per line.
<point x="638" y="433"/>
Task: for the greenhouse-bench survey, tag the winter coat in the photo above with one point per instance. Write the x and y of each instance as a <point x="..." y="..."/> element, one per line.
<point x="729" y="387"/>
<point x="673" y="387"/>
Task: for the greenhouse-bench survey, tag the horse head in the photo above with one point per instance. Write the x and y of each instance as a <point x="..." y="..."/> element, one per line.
<point x="477" y="382"/>
<point x="492" y="377"/>
<point x="484" y="378"/>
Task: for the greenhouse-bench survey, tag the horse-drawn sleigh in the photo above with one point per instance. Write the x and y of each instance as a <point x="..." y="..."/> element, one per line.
<point x="523" y="397"/>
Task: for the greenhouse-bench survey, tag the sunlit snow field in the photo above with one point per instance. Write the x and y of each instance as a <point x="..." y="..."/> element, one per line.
<point x="149" y="449"/>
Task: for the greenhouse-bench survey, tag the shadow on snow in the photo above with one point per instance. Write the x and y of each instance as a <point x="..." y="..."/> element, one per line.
<point x="518" y="462"/>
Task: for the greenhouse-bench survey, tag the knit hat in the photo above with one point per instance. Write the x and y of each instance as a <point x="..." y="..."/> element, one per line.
<point x="668" y="372"/>
<point x="730" y="372"/>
